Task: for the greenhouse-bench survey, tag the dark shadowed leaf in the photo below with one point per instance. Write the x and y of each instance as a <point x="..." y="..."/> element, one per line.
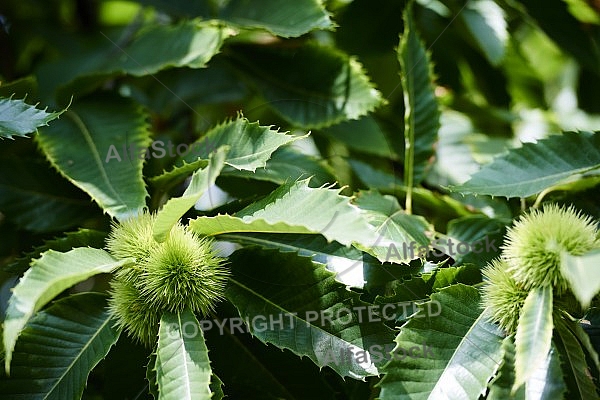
<point x="58" y="349"/>
<point x="308" y="97"/>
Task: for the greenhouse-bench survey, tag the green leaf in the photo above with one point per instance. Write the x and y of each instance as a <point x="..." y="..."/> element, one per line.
<point x="281" y="18"/>
<point x="485" y="21"/>
<point x="257" y="368"/>
<point x="175" y="208"/>
<point x="412" y="290"/>
<point x="305" y="96"/>
<point x="18" y="118"/>
<point x="582" y="41"/>
<point x="216" y="387"/>
<point x="178" y="173"/>
<point x="47" y="277"/>
<point x="575" y="369"/>
<point x="287" y="164"/>
<point x="583" y="11"/>
<point x="100" y="131"/>
<point x="299" y="306"/>
<point x="188" y="44"/>
<point x="534" y="334"/>
<point x="534" y="167"/>
<point x="348" y="263"/>
<point x="472" y="230"/>
<point x="80" y="238"/>
<point x="582" y="274"/>
<point x="251" y="145"/>
<point x="364" y="135"/>
<point x="221" y="224"/>
<point x="295" y="208"/>
<point x="464" y="350"/>
<point x="400" y="236"/>
<point x="379" y="179"/>
<point x="501" y="385"/>
<point x="185" y="87"/>
<point x="38" y="199"/>
<point x="182" y="365"/>
<point x="375" y="223"/>
<point x="59" y="347"/>
<point x="421" y="115"/>
<point x="545" y="383"/>
<point x="151" y="376"/>
<point x="402" y="289"/>
<point x="584" y="338"/>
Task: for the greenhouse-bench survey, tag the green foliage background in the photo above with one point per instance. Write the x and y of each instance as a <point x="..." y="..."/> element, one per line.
<point x="333" y="130"/>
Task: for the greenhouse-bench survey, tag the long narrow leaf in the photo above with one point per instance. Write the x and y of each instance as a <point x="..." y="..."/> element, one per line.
<point x="534" y="334"/>
<point x="421" y="116"/>
<point x="374" y="222"/>
<point x="182" y="366"/>
<point x="47" y="277"/>
<point x="190" y="43"/>
<point x="576" y="371"/>
<point x="534" y="167"/>
<point x="175" y="208"/>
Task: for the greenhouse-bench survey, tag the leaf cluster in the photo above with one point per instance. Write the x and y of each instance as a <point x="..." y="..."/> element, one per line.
<point x="357" y="163"/>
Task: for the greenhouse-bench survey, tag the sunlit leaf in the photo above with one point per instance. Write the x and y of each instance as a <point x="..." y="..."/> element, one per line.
<point x="48" y="276"/>
<point x="421" y="115"/>
<point x="534" y="167"/>
<point x="18" y="118"/>
<point x="107" y="137"/>
<point x="486" y="22"/>
<point x="176" y="207"/>
<point x="534" y="334"/>
<point x="297" y="294"/>
<point x="372" y="222"/>
<point x="463" y="350"/>
<point x="182" y="365"/>
<point x="582" y="274"/>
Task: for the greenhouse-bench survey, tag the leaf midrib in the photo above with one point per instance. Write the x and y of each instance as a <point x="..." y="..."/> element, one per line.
<point x="296" y="317"/>
<point x="96" y="156"/>
<point x="463" y="340"/>
<point x="83" y="350"/>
